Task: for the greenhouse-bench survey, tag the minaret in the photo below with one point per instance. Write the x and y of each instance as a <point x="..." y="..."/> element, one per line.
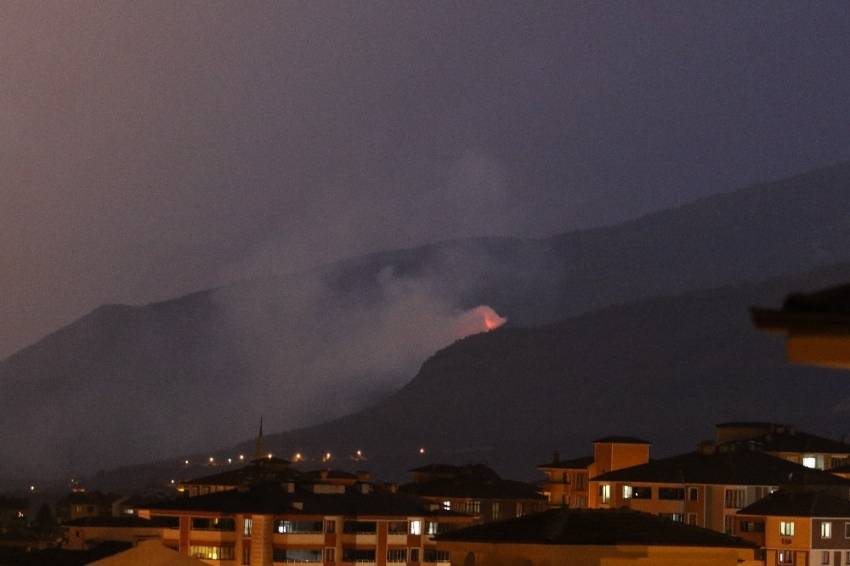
<point x="261" y="449"/>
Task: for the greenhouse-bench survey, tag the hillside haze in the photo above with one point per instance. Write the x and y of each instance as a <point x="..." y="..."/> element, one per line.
<point x="129" y="384"/>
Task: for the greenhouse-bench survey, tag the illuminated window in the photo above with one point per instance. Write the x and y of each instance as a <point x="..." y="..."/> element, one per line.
<point x="247" y="527"/>
<point x="416" y="528"/>
<point x="604" y="493"/>
<point x="678" y="517"/>
<point x="296" y="555"/>
<point x="496" y="511"/>
<point x="212" y="552"/>
<point x="785" y="557"/>
<point x="786" y="528"/>
<point x="810" y="461"/>
<point x="826" y="529"/>
<point x="627" y="492"/>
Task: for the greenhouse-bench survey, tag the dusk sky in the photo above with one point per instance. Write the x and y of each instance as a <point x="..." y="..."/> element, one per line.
<point x="153" y="148"/>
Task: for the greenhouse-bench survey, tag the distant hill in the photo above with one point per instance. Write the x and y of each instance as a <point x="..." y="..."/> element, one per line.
<point x="131" y="384"/>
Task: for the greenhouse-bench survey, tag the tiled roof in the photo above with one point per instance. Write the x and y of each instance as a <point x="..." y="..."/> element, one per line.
<point x="800" y="442"/>
<point x="574" y="464"/>
<point x="473" y="488"/>
<point x="729" y="467"/>
<point x="251" y="474"/>
<point x="593" y="527"/>
<point x="799" y="504"/>
<point x="275" y="499"/>
<point x="126" y="522"/>
<point x="621" y="440"/>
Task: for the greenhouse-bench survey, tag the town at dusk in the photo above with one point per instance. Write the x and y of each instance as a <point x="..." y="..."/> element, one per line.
<point x="427" y="283"/>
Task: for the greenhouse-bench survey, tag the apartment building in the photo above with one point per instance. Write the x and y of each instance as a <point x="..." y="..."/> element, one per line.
<point x="567" y="481"/>
<point x="306" y="520"/>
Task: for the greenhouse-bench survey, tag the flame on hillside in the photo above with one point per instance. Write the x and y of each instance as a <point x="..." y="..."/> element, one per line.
<point x="480" y="319"/>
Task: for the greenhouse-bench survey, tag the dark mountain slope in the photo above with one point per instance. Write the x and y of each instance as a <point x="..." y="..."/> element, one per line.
<point x="663" y="369"/>
<point x="130" y="384"/>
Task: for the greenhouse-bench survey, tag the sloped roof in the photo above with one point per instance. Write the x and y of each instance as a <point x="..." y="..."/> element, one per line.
<point x="799" y="504"/>
<point x="473" y="488"/>
<point x="565" y="526"/>
<point x="574" y="464"/>
<point x="620" y="440"/>
<point x="729" y="467"/>
<point x="129" y="522"/>
<point x="149" y="553"/>
<point x="800" y="442"/>
<point x="275" y="499"/>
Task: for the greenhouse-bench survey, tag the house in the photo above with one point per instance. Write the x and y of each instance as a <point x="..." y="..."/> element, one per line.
<point x="474" y="489"/>
<point x="567" y="481"/>
<point x="306" y="520"/>
<point x="86" y="533"/>
<point x="13" y="511"/>
<point x="80" y="503"/>
<point x="578" y="537"/>
<point x="785" y="441"/>
<point x="706" y="487"/>
<point x="796" y="527"/>
<point x="816" y="326"/>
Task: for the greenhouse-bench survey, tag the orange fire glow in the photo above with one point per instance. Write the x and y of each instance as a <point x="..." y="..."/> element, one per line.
<point x="480" y="319"/>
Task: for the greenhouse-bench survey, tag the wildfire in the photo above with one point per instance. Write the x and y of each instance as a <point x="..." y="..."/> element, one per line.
<point x="480" y="319"/>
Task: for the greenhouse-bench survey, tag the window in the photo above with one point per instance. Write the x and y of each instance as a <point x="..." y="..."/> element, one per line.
<point x="431" y="528"/>
<point x="693" y="493"/>
<point x="786" y="528"/>
<point x="641" y="493"/>
<point x="293" y="555"/>
<point x="414" y="555"/>
<point x="674" y="493"/>
<point x="692" y="518"/>
<point x="397" y="555"/>
<point x="519" y="510"/>
<point x="212" y="552"/>
<point x="298" y="527"/>
<point x="358" y="555"/>
<point x="247" y="526"/>
<point x="359" y="527"/>
<point x="604" y="493"/>
<point x="847" y="557"/>
<point x="415" y="528"/>
<point x="581" y="481"/>
<point x="565" y="477"/>
<point x="447" y="505"/>
<point x="436" y="555"/>
<point x="330" y="526"/>
<point x="826" y="529"/>
<point x="678" y="517"/>
<point x="246" y="554"/>
<point x="496" y="511"/>
<point x="734" y="498"/>
<point x="330" y="554"/>
<point x="627" y="492"/>
<point x="752" y="526"/>
<point x="728" y="524"/>
<point x="846" y="530"/>
<point x="397" y="527"/>
<point x="824" y="557"/>
<point x="810" y="461"/>
<point x="581" y="502"/>
<point x="219" y="524"/>
<point x="785" y="557"/>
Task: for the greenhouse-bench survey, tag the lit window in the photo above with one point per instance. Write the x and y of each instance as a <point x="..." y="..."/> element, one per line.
<point x="627" y="492"/>
<point x="416" y="527"/>
<point x="248" y="525"/>
<point x="826" y="529"/>
<point x="786" y="528"/>
<point x="604" y="493"/>
<point x="447" y="505"/>
<point x="810" y="462"/>
<point x="785" y="557"/>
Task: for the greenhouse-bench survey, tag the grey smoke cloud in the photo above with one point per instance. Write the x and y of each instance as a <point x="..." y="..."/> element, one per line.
<point x="310" y="360"/>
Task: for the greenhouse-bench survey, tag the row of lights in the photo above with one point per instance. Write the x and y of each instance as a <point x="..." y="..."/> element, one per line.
<point x="297" y="457"/>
